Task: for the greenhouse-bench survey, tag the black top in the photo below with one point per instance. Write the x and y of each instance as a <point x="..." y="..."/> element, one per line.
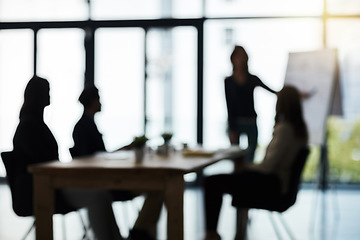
<point x="87" y="138"/>
<point x="34" y="140"/>
<point x="87" y="141"/>
<point x="240" y="98"/>
<point x="33" y="143"/>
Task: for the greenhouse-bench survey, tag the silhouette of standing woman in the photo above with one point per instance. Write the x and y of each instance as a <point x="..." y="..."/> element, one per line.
<point x="239" y="93"/>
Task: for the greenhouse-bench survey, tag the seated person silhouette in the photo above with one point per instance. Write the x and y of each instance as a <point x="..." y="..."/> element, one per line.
<point x="88" y="140"/>
<point x="269" y="177"/>
<point x="35" y="143"/>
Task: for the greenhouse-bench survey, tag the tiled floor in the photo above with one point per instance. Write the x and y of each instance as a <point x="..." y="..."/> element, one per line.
<point x="334" y="215"/>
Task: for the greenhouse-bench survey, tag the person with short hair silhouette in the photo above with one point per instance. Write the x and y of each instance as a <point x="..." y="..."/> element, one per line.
<point x="88" y="140"/>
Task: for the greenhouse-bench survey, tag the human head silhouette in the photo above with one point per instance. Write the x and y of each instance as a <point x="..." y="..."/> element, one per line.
<point x="36" y="96"/>
<point x="90" y="98"/>
<point x="239" y="58"/>
<point x="289" y="108"/>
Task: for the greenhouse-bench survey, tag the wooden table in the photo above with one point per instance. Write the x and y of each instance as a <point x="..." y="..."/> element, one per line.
<point x="106" y="172"/>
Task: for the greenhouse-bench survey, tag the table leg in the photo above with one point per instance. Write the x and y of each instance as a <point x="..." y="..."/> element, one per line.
<point x="239" y="164"/>
<point x="43" y="207"/>
<point x="174" y="200"/>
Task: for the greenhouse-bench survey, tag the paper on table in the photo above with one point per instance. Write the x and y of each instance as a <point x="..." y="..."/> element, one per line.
<point x="232" y="152"/>
<point x="118" y="155"/>
<point x="197" y="152"/>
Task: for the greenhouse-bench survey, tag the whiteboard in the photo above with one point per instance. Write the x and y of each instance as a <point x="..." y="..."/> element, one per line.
<point x="314" y="72"/>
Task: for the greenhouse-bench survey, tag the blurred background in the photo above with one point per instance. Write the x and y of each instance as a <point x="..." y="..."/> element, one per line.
<point x="160" y="67"/>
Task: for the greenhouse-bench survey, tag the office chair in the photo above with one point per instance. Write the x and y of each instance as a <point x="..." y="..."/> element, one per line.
<point x="20" y="184"/>
<point x="277" y="204"/>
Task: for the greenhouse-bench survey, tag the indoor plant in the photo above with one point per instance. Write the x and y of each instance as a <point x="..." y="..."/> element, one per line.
<point x="139" y="147"/>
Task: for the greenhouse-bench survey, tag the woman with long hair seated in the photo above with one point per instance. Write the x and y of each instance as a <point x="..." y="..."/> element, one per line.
<point x="272" y="175"/>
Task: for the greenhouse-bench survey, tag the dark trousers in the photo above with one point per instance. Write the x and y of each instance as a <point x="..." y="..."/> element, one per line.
<point x="247" y="186"/>
<point x="251" y="131"/>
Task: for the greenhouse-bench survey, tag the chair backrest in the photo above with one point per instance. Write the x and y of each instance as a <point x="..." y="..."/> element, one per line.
<point x="20" y="184"/>
<point x="279" y="202"/>
<point x="296" y="172"/>
<point x="21" y="187"/>
<point x="283" y="202"/>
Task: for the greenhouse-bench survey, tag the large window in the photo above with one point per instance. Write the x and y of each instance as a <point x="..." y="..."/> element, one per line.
<point x="343" y="7"/>
<point x="128" y="9"/>
<point x="16" y="67"/>
<point x="344" y="35"/>
<point x="43" y="10"/>
<point x="246" y="8"/>
<point x="150" y="57"/>
<point x="171" y="83"/>
<point x="268" y="43"/>
<point x="145" y="9"/>
<point x="61" y="62"/>
<point x="119" y="76"/>
<point x="344" y="137"/>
